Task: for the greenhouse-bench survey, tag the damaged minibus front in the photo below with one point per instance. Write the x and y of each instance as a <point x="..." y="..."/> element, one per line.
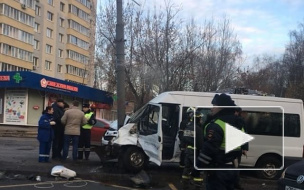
<point x="148" y="132"/>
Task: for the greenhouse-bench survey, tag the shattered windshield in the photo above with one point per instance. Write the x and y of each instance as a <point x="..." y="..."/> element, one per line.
<point x="136" y="116"/>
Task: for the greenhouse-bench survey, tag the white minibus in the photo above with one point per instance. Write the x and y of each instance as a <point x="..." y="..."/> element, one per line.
<point x="152" y="132"/>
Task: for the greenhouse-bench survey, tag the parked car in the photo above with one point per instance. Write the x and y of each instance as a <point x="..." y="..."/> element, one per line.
<point x="112" y="132"/>
<point x="292" y="177"/>
<point x="98" y="130"/>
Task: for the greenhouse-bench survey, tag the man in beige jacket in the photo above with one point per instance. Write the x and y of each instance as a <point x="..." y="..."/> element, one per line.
<point x="73" y="119"/>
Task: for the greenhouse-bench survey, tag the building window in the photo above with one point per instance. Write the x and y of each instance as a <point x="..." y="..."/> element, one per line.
<point x="77" y="57"/>
<point x="61" y="22"/>
<point x="36" y="44"/>
<point x="48" y="65"/>
<point x="37" y="10"/>
<point x="61" y="6"/>
<point x="35" y="61"/>
<point x="48" y="49"/>
<point x="17" y="15"/>
<point x="50" y="16"/>
<point x="78" y="12"/>
<point x="49" y="32"/>
<point x="36" y="27"/>
<point x="9" y="67"/>
<point x="78" y="27"/>
<point x="59" y="68"/>
<point x="16" y="33"/>
<point x="50" y="2"/>
<point x="75" y="71"/>
<point x="60" y="53"/>
<point x="86" y="3"/>
<point x="60" y="37"/>
<point x="16" y="52"/>
<point x="78" y="42"/>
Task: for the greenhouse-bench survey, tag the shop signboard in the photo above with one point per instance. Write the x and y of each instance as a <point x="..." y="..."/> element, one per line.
<point x="15" y="107"/>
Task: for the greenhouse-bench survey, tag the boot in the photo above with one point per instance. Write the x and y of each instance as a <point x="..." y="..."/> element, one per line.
<point x="185" y="184"/>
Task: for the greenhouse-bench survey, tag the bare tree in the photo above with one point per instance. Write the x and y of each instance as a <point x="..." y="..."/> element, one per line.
<point x="164" y="53"/>
<point x="294" y="61"/>
<point x="218" y="57"/>
<point x="105" y="54"/>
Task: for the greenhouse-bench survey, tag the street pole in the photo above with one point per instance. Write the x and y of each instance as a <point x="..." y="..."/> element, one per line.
<point x="120" y="65"/>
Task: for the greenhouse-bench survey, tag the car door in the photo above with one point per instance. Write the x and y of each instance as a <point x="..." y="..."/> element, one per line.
<point x="150" y="134"/>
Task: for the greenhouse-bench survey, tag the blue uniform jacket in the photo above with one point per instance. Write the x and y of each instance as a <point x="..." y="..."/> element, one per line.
<point x="45" y="131"/>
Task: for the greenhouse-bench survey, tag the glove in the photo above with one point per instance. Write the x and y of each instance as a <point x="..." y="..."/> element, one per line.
<point x="52" y="123"/>
<point x="92" y="122"/>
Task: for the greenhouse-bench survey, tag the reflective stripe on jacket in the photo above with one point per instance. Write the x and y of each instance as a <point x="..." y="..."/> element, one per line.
<point x="222" y="124"/>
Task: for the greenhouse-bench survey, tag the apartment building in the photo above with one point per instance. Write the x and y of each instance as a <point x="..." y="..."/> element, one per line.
<point x="46" y="52"/>
<point x="51" y="37"/>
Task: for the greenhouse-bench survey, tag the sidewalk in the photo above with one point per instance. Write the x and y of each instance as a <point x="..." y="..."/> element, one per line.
<point x="18" y="131"/>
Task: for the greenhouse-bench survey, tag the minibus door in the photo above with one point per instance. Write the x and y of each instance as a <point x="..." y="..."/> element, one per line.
<point x="150" y="133"/>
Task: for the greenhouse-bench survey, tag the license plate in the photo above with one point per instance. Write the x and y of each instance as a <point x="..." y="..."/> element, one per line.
<point x="291" y="188"/>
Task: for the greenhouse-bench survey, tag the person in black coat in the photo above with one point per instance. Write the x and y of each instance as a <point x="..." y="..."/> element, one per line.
<point x="58" y="128"/>
<point x="45" y="134"/>
<point x="212" y="153"/>
<point x="193" y="131"/>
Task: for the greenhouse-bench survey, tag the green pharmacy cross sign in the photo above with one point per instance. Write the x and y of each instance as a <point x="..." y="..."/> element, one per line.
<point x="17" y="77"/>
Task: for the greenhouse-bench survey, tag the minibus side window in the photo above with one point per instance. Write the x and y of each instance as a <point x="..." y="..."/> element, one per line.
<point x="291" y="125"/>
<point x="266" y="123"/>
<point x="263" y="123"/>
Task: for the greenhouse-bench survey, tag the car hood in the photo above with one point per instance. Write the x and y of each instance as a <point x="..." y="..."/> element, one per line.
<point x="114" y="124"/>
<point x="296" y="169"/>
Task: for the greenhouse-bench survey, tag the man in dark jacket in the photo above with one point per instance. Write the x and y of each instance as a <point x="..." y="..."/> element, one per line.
<point x="85" y="133"/>
<point x="58" y="128"/>
<point x="212" y="154"/>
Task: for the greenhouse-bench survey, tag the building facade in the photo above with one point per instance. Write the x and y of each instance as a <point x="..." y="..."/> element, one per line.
<point x="49" y="44"/>
<point x="55" y="38"/>
<point x="24" y="95"/>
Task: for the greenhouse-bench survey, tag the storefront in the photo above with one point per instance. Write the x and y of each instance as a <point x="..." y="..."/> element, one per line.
<point x="24" y="95"/>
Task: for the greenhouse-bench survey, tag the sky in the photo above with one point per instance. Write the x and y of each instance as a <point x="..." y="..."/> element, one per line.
<point x="262" y="26"/>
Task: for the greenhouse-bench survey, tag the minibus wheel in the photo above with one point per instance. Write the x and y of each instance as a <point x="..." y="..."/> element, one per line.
<point x="271" y="162"/>
<point x="134" y="159"/>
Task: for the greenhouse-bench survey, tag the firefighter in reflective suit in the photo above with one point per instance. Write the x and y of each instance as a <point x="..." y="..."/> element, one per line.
<point x="212" y="153"/>
<point x="190" y="174"/>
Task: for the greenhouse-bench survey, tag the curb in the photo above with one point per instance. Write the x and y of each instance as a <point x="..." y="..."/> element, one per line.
<point x="18" y="134"/>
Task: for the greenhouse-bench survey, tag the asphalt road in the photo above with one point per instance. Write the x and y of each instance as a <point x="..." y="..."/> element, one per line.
<point x="57" y="185"/>
<point x="19" y="160"/>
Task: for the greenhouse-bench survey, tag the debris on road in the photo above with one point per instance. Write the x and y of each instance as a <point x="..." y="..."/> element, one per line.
<point x="63" y="172"/>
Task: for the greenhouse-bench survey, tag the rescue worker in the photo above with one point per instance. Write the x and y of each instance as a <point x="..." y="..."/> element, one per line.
<point x="182" y="145"/>
<point x="85" y="133"/>
<point x="190" y="174"/>
<point x="45" y="134"/>
<point x="212" y="153"/>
